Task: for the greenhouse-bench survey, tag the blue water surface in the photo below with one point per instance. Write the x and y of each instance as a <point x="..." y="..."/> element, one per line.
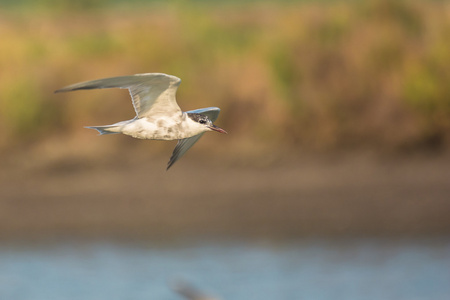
<point x="312" y="269"/>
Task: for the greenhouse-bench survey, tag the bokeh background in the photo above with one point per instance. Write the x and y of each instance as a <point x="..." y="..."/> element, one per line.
<point x="333" y="182"/>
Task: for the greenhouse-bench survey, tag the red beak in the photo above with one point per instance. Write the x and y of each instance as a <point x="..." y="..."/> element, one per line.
<point x="218" y="129"/>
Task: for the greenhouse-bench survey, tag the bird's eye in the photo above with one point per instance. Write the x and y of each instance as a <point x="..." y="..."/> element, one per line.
<point x="202" y="122"/>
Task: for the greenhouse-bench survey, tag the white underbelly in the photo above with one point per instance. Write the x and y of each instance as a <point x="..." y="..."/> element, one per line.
<point x="161" y="129"/>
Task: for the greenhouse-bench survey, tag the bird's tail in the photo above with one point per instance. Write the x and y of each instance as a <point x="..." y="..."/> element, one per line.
<point x="106" y="129"/>
<point x="110" y="129"/>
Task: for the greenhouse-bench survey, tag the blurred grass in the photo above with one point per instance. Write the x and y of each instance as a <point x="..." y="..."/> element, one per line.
<point x="310" y="75"/>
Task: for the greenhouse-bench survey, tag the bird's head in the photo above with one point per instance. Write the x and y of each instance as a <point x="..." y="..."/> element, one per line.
<point x="205" y="123"/>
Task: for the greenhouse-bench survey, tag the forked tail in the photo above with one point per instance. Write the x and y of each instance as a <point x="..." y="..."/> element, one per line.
<point x="107" y="129"/>
<point x="110" y="129"/>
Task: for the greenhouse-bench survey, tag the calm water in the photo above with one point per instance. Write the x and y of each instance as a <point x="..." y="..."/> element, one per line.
<point x="369" y="269"/>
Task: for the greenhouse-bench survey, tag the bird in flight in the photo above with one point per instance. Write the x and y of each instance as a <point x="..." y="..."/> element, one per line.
<point x="190" y="292"/>
<point x="158" y="116"/>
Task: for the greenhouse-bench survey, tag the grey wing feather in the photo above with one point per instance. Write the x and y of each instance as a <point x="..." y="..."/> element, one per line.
<point x="152" y="93"/>
<point x="211" y="112"/>
<point x="182" y="147"/>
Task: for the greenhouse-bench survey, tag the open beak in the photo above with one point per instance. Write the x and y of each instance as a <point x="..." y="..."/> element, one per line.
<point x="218" y="129"/>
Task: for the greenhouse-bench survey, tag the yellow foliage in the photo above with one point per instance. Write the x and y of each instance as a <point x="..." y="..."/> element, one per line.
<point x="318" y="75"/>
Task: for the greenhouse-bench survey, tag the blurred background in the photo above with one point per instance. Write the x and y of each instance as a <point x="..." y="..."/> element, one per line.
<point x="333" y="182"/>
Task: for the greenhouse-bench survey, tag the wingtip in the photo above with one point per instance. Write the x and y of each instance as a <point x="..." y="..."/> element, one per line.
<point x="62" y="90"/>
<point x="169" y="164"/>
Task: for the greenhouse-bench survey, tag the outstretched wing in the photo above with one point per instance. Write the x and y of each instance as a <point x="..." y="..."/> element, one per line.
<point x="153" y="94"/>
<point x="182" y="147"/>
<point x="185" y="144"/>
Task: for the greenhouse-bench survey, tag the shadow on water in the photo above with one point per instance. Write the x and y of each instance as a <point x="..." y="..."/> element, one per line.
<point x="310" y="269"/>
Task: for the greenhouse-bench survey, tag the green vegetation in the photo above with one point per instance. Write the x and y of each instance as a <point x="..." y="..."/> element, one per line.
<point x="320" y="75"/>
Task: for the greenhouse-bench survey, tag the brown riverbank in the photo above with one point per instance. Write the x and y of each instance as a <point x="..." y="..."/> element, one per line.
<point x="335" y="196"/>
